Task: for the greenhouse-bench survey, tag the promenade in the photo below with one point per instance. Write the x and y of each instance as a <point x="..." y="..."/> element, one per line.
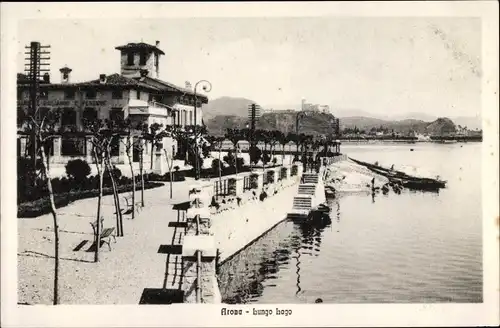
<point x="134" y="263"/>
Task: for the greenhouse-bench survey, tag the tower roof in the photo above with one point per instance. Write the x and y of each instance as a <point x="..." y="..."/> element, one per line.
<point x="140" y="45"/>
<point x="65" y="69"/>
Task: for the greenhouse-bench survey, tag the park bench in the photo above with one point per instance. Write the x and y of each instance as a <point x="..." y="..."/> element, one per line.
<point x="106" y="234"/>
<point x="128" y="201"/>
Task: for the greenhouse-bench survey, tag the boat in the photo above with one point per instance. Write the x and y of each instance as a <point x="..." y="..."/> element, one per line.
<point x="407" y="181"/>
<point x="330" y="192"/>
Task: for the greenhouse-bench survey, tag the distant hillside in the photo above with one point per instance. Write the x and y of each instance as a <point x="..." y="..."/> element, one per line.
<point x="441" y="126"/>
<point x="228" y="112"/>
<point x="319" y="123"/>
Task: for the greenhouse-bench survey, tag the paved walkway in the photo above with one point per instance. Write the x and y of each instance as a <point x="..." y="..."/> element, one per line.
<point x="121" y="274"/>
<point x="134" y="263"/>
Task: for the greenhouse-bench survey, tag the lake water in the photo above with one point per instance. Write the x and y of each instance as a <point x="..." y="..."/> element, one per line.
<point x="410" y="248"/>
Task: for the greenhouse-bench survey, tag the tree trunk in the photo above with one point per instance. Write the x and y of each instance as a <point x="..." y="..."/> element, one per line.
<point x="131" y="165"/>
<point x="220" y="171"/>
<point x="152" y="146"/>
<point x="141" y="166"/>
<point x="170" y="165"/>
<point x="97" y="235"/>
<point x="119" y="225"/>
<point x="56" y="225"/>
<point x="283" y="155"/>
<point x="236" y="160"/>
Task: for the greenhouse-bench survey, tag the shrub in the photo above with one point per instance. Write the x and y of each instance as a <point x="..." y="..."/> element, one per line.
<point x="116" y="174"/>
<point x="78" y="170"/>
<point x="240" y="162"/>
<point x="266" y="158"/>
<point x="255" y="154"/>
<point x="229" y="159"/>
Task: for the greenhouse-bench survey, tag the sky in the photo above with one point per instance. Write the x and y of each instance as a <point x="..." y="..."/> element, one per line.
<point x="377" y="65"/>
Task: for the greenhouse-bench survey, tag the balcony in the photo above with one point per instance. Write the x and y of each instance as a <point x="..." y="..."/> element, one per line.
<point x="142" y="107"/>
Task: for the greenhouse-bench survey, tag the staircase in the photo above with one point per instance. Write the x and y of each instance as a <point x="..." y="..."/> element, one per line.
<point x="310" y="193"/>
<point x="307" y="189"/>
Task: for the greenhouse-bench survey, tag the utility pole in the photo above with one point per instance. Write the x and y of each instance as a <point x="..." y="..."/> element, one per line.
<point x="253" y="114"/>
<point x="34" y="67"/>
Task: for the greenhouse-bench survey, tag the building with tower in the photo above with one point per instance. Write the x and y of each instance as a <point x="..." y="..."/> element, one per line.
<point x="136" y="93"/>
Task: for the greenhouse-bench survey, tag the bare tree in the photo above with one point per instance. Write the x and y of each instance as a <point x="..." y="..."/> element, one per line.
<point x="42" y="126"/>
<point x="100" y="138"/>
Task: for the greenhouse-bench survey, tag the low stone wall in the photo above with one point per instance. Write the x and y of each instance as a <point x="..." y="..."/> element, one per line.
<point x="215" y="233"/>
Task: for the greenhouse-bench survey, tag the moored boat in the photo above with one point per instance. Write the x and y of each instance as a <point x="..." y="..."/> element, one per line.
<point x="407" y="181"/>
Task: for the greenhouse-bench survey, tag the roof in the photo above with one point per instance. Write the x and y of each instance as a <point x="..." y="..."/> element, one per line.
<point x="140" y="45"/>
<point x="118" y="80"/>
<point x="111" y="80"/>
<point x="172" y="87"/>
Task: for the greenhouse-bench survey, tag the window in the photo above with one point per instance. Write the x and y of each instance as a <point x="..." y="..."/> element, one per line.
<point x="135" y="150"/>
<point x="115" y="146"/>
<point x="73" y="146"/>
<point x="191" y="118"/>
<point x="19" y="94"/>
<point x="91" y="94"/>
<point x="142" y="58"/>
<point x="68" y="117"/>
<point x="157" y="60"/>
<point x="130" y="59"/>
<point x="117" y="94"/>
<point x="116" y="115"/>
<point x="90" y="114"/>
<point x="138" y="94"/>
<point x="69" y="94"/>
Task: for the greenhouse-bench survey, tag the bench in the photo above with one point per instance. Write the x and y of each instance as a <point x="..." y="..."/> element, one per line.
<point x="128" y="200"/>
<point x="106" y="234"/>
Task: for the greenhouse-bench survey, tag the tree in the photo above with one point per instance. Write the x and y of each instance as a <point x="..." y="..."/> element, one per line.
<point x="235" y="135"/>
<point x="129" y="142"/>
<point x="151" y="136"/>
<point x="255" y="154"/>
<point x="78" y="170"/>
<point x="217" y="142"/>
<point x="294" y="138"/>
<point x="171" y="132"/>
<point x="42" y="126"/>
<point x="283" y="140"/>
<point x="101" y="137"/>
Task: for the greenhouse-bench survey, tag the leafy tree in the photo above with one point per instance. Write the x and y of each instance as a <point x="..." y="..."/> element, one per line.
<point x="255" y="154"/>
<point x="78" y="170"/>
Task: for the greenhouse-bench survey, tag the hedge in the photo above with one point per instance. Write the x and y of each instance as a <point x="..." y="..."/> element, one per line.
<point x="42" y="206"/>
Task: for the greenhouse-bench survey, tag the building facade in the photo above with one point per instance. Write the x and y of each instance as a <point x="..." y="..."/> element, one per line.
<point x="136" y="93"/>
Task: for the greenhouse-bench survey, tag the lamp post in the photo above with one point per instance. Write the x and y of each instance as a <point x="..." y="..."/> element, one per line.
<point x="206" y="87"/>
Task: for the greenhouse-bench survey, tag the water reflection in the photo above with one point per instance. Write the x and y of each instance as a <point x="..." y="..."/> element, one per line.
<point x="243" y="278"/>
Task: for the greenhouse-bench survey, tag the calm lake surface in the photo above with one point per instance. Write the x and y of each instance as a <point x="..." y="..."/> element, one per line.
<point x="410" y="248"/>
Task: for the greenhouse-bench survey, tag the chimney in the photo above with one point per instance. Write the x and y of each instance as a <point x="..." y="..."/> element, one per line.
<point x="46" y="78"/>
<point x="102" y="78"/>
<point x="65" y="74"/>
<point x="157" y="44"/>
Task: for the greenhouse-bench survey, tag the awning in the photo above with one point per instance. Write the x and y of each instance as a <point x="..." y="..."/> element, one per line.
<point x="183" y="107"/>
<point x="137" y="103"/>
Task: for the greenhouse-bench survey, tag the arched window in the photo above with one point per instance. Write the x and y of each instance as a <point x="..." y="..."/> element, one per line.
<point x="130" y="59"/>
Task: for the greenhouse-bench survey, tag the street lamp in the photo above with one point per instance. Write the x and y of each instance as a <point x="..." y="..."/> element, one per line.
<point x="207" y="87"/>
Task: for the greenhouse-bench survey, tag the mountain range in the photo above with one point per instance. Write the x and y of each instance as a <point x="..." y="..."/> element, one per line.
<point x="229" y="112"/>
